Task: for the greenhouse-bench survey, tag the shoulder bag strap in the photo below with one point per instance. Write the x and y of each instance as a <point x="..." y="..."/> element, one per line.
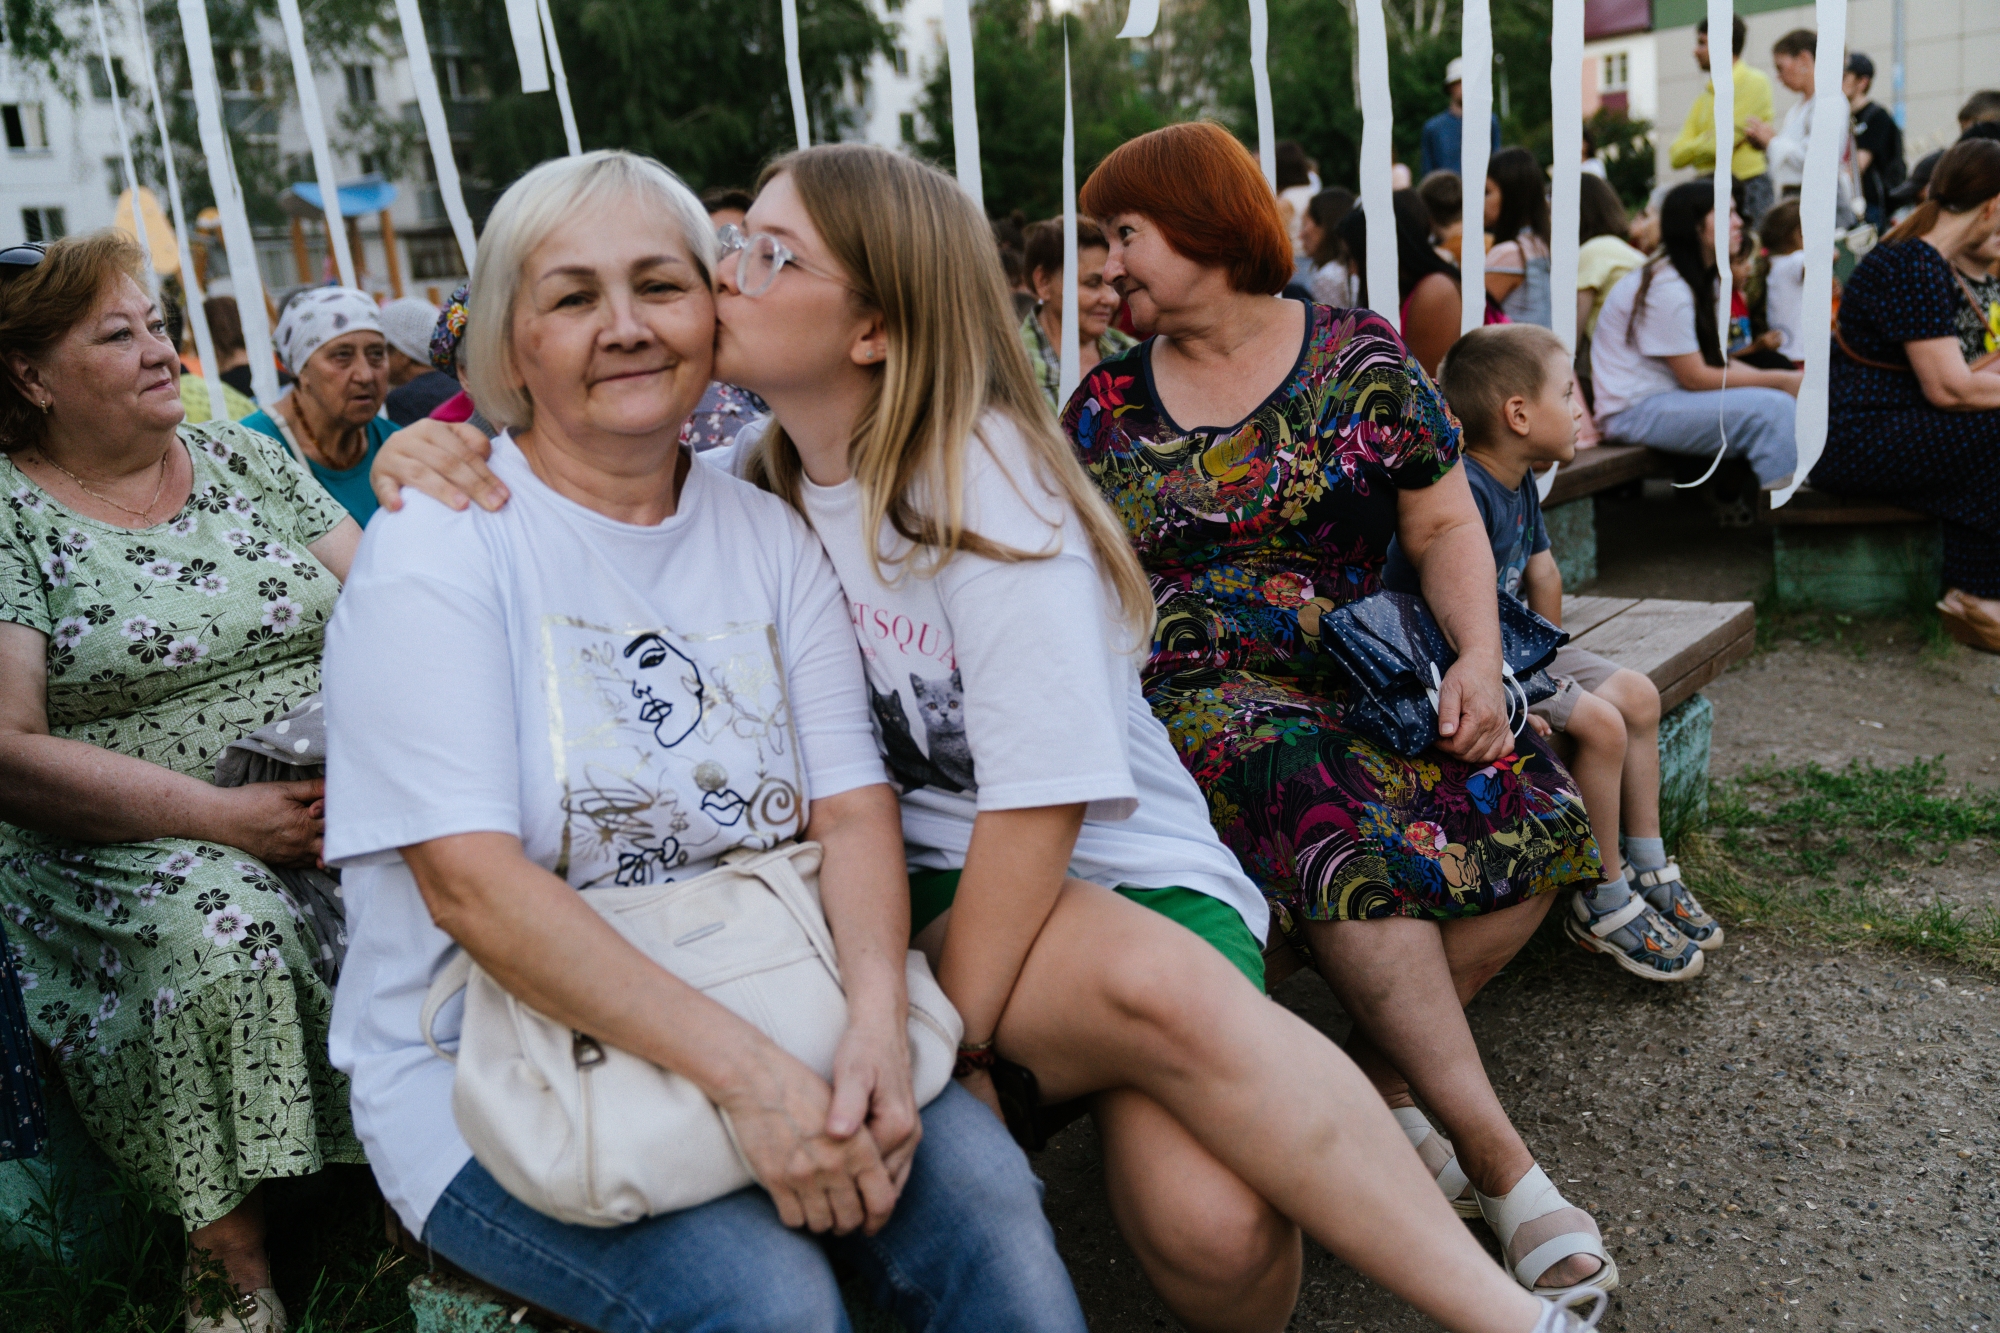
<point x="450" y="980"/>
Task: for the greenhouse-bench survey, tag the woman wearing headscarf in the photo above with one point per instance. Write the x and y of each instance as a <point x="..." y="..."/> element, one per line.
<point x="331" y="339"/>
<point x="164" y="589"/>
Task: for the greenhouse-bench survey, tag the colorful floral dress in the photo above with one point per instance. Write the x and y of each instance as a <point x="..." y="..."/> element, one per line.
<point x="169" y="978"/>
<point x="1251" y="534"/>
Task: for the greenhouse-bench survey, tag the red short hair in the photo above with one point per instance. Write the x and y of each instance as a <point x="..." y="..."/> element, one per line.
<point x="1207" y="196"/>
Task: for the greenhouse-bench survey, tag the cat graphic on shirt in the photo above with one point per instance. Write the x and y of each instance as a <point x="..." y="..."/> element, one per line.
<point x="942" y="706"/>
<point x="907" y="762"/>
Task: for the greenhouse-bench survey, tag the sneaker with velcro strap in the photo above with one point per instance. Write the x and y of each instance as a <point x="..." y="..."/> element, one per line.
<point x="1661" y="952"/>
<point x="1671" y="899"/>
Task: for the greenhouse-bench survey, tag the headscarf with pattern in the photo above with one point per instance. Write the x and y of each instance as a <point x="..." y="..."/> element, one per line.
<point x="450" y="331"/>
<point x="317" y="316"/>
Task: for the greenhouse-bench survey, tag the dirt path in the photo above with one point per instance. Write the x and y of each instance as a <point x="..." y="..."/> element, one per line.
<point x="1800" y="1138"/>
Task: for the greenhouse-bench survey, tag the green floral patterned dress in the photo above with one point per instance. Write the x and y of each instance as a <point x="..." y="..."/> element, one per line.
<point x="170" y="978"/>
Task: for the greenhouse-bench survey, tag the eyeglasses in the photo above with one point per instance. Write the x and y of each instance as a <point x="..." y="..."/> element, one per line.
<point x="18" y="259"/>
<point x="760" y="259"/>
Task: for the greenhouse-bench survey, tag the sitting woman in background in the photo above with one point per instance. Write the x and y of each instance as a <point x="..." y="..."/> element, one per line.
<point x="1262" y="454"/>
<point x="331" y="338"/>
<point x="1517" y="215"/>
<point x="1657" y="358"/>
<point x="1427" y="283"/>
<point x="1909" y="420"/>
<point x="1332" y="280"/>
<point x="164" y="590"/>
<point x="1096" y="303"/>
<point x="1605" y="255"/>
<point x="1444" y="199"/>
<point x="635" y="668"/>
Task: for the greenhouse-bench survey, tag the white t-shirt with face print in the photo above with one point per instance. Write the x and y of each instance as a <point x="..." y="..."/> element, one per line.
<point x="1006" y="685"/>
<point x="631" y="702"/>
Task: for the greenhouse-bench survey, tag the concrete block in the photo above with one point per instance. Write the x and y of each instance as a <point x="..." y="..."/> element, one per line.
<point x="63" y="1203"/>
<point x="1573" y="540"/>
<point x="1686" y="734"/>
<point x="1871" y="568"/>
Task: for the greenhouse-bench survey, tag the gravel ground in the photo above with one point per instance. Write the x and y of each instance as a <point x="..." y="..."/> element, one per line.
<point x="1801" y="1137"/>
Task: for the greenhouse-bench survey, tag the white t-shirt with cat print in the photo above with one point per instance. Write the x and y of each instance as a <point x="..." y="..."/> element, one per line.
<point x="1008" y="685"/>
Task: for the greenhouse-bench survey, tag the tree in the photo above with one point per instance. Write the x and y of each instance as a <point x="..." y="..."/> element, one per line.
<point x="699" y="84"/>
<point x="1018" y="88"/>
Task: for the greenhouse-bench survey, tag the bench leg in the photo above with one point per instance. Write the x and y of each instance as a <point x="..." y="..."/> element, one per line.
<point x="1573" y="540"/>
<point x="1686" y="733"/>
<point x="1877" y="567"/>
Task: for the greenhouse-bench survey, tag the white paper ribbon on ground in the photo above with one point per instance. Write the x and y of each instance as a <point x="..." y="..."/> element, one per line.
<point x="1141" y="19"/>
<point x="1566" y="186"/>
<point x="570" y="135"/>
<point x="322" y="153"/>
<point x="794" y="76"/>
<point x="237" y="241"/>
<point x="196" y="308"/>
<point x="1260" y="84"/>
<point x="1721" y="32"/>
<point x="1378" y="181"/>
<point x="1818" y="198"/>
<point x="423" y="80"/>
<point x="1475" y="150"/>
<point x="1072" y="359"/>
<point x="139" y="235"/>
<point x="964" y="107"/>
<point x="526" y="26"/>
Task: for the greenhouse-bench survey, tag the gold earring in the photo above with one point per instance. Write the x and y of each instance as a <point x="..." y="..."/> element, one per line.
<point x="48" y="406"/>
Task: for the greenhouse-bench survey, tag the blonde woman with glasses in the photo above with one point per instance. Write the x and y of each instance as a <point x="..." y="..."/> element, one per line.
<point x="1098" y="940"/>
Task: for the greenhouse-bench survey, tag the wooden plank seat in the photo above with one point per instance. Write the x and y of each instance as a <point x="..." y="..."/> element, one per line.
<point x="1680" y="646"/>
<point x="1602" y="467"/>
<point x="1811" y="508"/>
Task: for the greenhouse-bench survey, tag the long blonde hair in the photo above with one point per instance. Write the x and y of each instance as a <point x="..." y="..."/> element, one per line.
<point x="916" y="250"/>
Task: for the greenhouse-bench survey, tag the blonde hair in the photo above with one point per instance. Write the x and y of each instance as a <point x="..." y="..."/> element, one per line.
<point x="917" y="251"/>
<point x="529" y="213"/>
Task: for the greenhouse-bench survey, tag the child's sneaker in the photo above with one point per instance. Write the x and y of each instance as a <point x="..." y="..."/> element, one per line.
<point x="1656" y="950"/>
<point x="1670" y="898"/>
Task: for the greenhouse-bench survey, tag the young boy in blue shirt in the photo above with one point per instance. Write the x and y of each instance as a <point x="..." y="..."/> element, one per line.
<point x="1514" y="392"/>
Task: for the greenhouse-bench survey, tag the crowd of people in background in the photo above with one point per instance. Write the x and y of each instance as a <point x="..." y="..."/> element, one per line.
<point x="672" y="477"/>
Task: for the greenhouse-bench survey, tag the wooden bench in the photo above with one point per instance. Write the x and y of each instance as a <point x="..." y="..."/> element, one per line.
<point x="1680" y="646"/>
<point x="1852" y="553"/>
<point x="1573" y="525"/>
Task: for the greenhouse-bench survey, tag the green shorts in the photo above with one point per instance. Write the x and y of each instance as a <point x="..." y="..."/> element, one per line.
<point x="932" y="891"/>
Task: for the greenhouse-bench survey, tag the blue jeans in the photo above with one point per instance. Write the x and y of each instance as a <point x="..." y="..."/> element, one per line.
<point x="1759" y="422"/>
<point x="967" y="1248"/>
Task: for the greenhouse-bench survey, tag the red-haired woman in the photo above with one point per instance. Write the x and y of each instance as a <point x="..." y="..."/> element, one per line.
<point x="1262" y="453"/>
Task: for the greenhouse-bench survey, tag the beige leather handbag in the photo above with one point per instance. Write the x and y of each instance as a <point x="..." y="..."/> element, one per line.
<point x="590" y="1134"/>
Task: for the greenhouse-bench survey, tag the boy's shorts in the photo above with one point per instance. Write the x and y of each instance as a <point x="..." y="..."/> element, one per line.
<point x="1577" y="672"/>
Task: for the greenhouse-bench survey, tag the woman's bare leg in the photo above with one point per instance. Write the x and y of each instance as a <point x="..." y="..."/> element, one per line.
<point x="1222" y="1259"/>
<point x="1406" y="983"/>
<point x="236" y="1241"/>
<point x="1115" y="996"/>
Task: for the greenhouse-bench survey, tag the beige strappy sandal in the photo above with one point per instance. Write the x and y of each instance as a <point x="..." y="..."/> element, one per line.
<point x="1439" y="1158"/>
<point x="1537" y="1229"/>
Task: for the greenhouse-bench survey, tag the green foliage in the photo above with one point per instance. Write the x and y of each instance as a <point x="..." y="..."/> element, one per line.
<point x="1018" y="71"/>
<point x="1626" y="145"/>
<point x="699" y="84"/>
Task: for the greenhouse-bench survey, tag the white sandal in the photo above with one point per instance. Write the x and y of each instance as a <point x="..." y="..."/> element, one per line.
<point x="1439" y="1158"/>
<point x="1538" y="1229"/>
<point x="252" y="1312"/>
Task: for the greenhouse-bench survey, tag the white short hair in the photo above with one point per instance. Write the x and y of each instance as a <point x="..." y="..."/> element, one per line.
<point x="529" y="213"/>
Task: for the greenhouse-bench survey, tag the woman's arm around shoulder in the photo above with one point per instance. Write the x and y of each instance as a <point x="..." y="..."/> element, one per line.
<point x="445" y="460"/>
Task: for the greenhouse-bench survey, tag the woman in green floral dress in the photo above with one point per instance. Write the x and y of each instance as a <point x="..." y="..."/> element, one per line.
<point x="163" y="590"/>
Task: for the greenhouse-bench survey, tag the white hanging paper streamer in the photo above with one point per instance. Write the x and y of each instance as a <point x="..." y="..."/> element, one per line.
<point x="1071" y="364"/>
<point x="789" y="13"/>
<point x="1378" y="181"/>
<point x="964" y="108"/>
<point x="1141" y="19"/>
<point x="1566" y="188"/>
<point x="1721" y="34"/>
<point x="125" y="153"/>
<point x="237" y="241"/>
<point x="574" y="140"/>
<point x="322" y="153"/>
<point x="1260" y="83"/>
<point x="197" y="311"/>
<point x="423" y="79"/>
<point x="525" y="25"/>
<point x="1476" y="148"/>
<point x="1818" y="197"/>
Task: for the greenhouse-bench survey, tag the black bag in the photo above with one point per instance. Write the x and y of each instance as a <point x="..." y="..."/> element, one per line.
<point x="1395" y="656"/>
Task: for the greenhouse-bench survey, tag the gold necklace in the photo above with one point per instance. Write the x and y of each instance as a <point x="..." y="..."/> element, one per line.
<point x="140" y="514"/>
